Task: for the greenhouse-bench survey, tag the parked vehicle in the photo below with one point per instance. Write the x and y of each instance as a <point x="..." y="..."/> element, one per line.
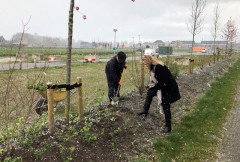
<point x="52" y="58"/>
<point x="151" y="51"/>
<point x="91" y="58"/>
<point x="203" y="50"/>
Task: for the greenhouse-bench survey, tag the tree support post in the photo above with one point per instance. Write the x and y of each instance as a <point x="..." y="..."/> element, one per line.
<point x="50" y="108"/>
<point x="80" y="103"/>
<point x="191" y="65"/>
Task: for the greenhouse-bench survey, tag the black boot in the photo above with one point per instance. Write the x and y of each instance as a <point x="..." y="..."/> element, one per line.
<point x="167" y="112"/>
<point x="167" y="130"/>
<point x="145" y="113"/>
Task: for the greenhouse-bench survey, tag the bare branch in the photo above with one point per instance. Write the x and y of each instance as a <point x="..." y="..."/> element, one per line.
<point x="215" y="25"/>
<point x="230" y="33"/>
<point x="195" y="21"/>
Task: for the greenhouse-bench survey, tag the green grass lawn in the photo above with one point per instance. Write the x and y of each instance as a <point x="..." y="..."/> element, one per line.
<point x="77" y="53"/>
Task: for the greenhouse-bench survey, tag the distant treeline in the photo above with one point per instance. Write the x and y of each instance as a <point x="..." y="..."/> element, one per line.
<point x="35" y="40"/>
<point x="40" y="41"/>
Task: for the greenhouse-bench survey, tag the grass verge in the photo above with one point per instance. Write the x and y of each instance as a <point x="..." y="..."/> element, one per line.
<point x="196" y="137"/>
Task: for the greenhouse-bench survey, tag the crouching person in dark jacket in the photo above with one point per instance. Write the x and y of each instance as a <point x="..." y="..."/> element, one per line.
<point x="114" y="69"/>
<point x="168" y="86"/>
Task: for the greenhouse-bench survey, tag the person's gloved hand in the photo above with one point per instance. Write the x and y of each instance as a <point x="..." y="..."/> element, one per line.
<point x="120" y="83"/>
<point x="125" y="66"/>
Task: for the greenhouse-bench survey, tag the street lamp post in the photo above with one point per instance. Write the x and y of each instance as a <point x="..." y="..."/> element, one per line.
<point x="114" y="44"/>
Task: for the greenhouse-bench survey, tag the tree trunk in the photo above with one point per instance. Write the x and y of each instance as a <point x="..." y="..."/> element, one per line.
<point x="69" y="53"/>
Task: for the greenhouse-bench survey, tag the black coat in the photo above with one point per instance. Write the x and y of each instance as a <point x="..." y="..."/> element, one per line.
<point x="114" y="69"/>
<point x="166" y="83"/>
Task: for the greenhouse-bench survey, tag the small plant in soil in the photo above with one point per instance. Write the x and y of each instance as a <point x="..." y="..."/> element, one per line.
<point x="87" y="136"/>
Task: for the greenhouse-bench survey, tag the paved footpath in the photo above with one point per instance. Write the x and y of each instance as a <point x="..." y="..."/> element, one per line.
<point x="230" y="146"/>
<point x="30" y="65"/>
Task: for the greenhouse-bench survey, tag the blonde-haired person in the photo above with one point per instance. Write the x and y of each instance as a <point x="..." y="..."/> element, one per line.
<point x="166" y="83"/>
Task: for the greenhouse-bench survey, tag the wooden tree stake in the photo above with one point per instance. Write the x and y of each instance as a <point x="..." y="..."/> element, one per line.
<point x="50" y="108"/>
<point x="80" y="103"/>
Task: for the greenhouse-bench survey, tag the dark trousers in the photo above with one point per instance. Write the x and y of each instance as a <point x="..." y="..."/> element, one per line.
<point x="113" y="89"/>
<point x="165" y="104"/>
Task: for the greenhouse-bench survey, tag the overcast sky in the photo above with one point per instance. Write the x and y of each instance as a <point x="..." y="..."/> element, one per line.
<point x="151" y="19"/>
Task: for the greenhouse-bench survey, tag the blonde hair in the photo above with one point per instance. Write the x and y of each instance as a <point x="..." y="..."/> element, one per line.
<point x="150" y="60"/>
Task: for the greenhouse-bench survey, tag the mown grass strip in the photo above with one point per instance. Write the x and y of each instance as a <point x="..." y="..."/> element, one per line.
<point x="195" y="138"/>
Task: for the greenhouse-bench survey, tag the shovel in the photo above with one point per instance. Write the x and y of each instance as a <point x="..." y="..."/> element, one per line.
<point x="115" y="98"/>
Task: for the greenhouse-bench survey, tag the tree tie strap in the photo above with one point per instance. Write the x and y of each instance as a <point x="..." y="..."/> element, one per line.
<point x="67" y="86"/>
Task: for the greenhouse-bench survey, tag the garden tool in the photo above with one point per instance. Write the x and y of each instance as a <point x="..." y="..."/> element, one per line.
<point x="115" y="98"/>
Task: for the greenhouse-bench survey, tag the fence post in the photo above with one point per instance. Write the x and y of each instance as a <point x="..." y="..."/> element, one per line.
<point x="80" y="103"/>
<point x="50" y="108"/>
